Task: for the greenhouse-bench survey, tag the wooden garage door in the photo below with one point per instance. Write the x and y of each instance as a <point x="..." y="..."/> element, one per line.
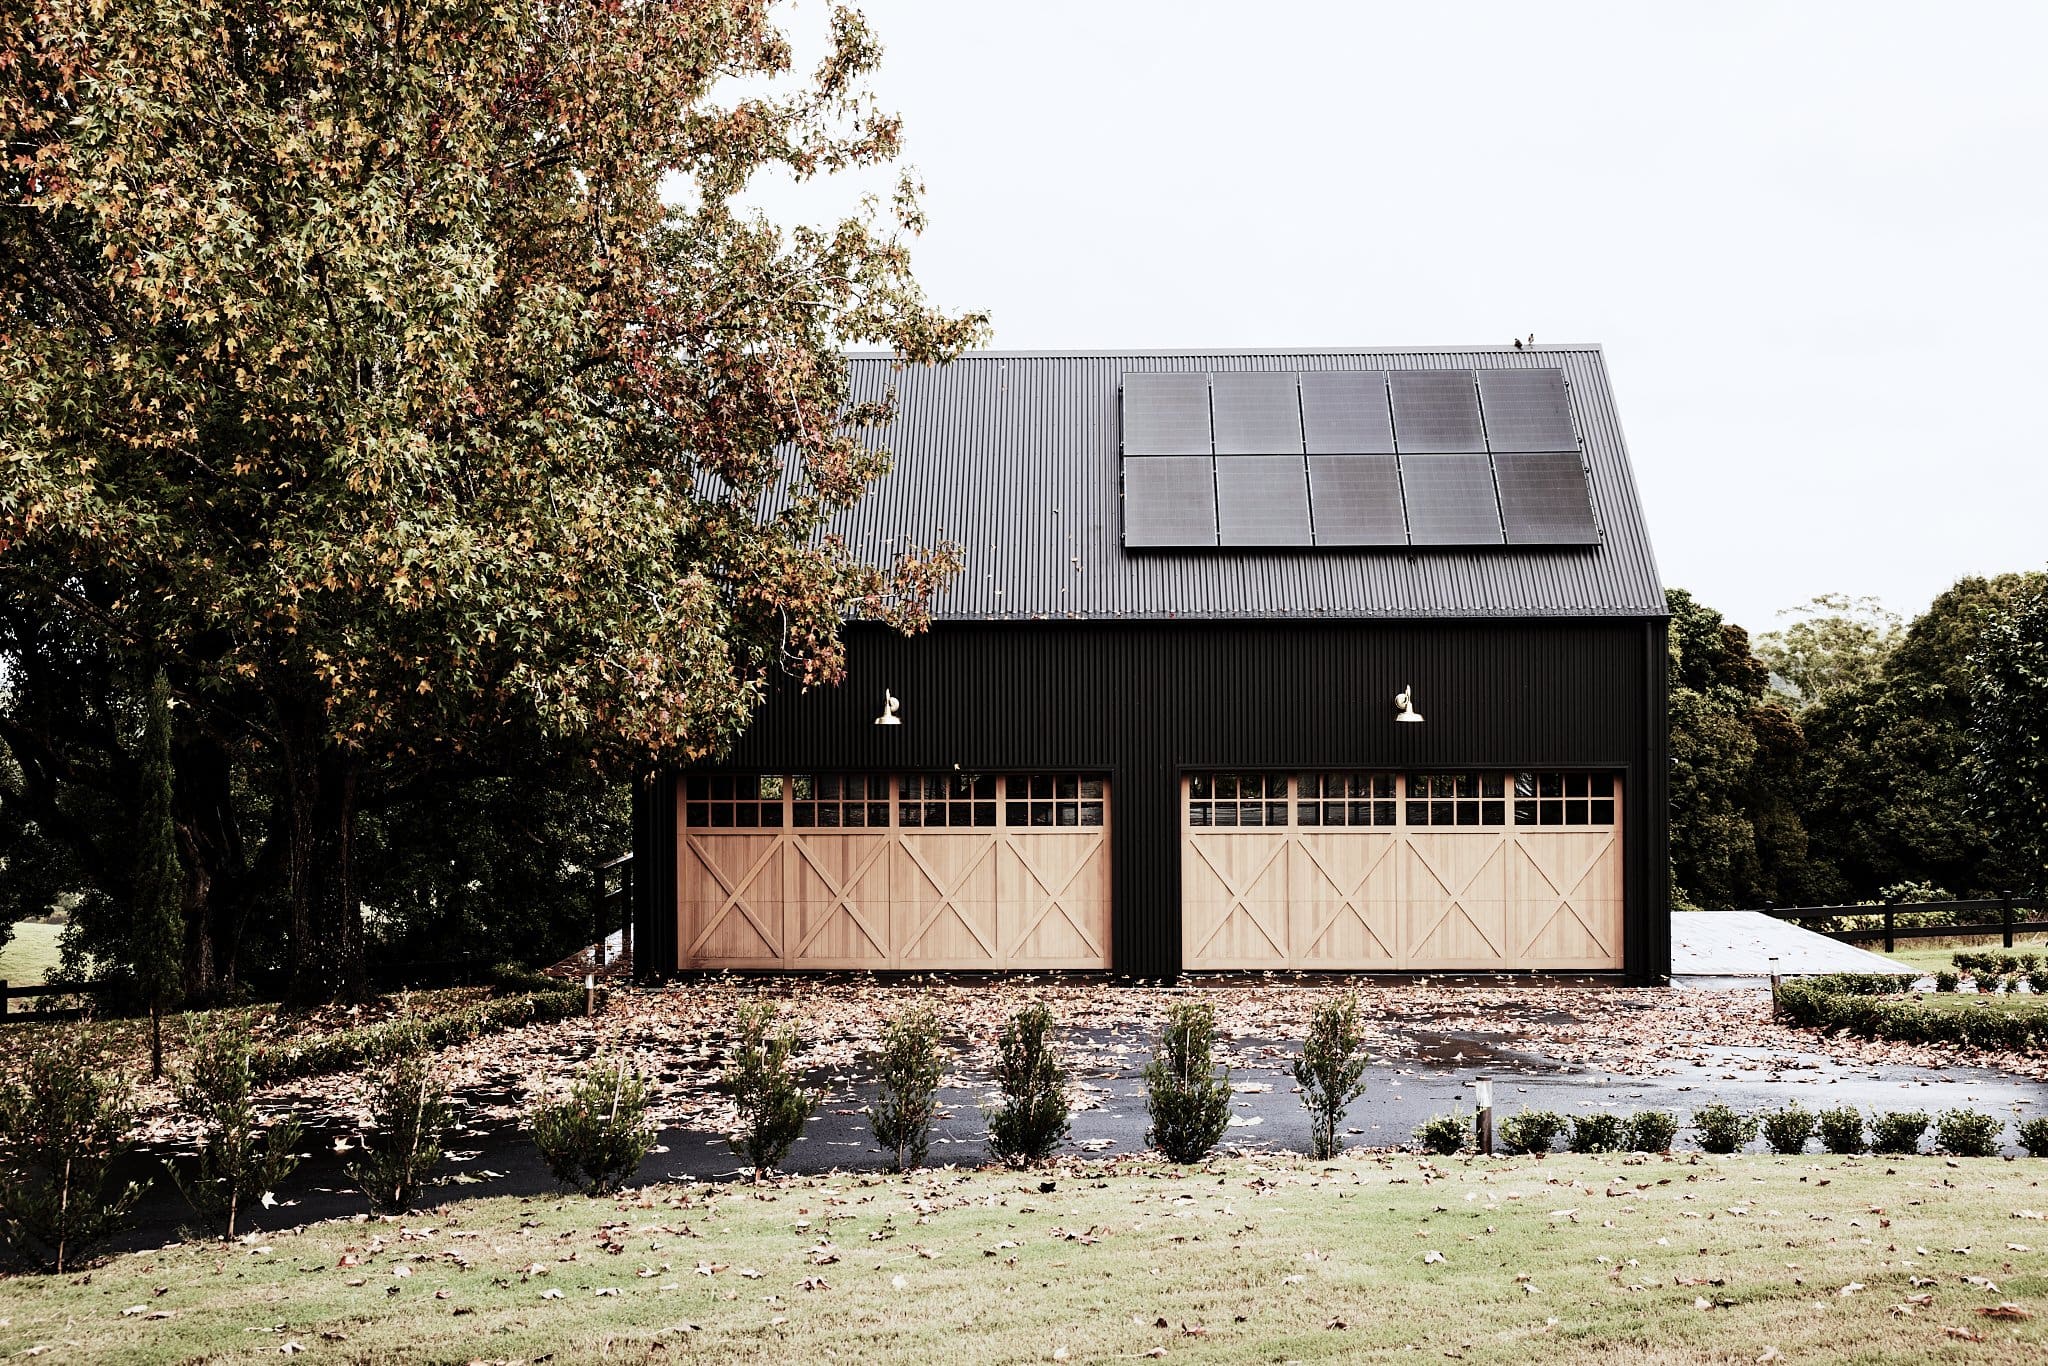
<point x="1402" y="872"/>
<point x="905" y="871"/>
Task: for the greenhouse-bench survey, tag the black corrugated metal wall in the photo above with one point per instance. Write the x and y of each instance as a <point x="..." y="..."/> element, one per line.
<point x="1144" y="701"/>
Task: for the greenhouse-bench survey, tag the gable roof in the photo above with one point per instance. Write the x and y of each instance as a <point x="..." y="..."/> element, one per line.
<point x="1015" y="456"/>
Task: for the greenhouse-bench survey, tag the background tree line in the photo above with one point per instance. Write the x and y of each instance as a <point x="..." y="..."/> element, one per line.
<point x="1848" y="756"/>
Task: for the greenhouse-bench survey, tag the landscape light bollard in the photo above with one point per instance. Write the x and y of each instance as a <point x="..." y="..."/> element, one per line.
<point x="589" y="994"/>
<point x="1774" y="990"/>
<point x="1484" y="1119"/>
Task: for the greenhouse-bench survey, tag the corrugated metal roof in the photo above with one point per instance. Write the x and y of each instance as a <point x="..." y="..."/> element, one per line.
<point x="1014" y="456"/>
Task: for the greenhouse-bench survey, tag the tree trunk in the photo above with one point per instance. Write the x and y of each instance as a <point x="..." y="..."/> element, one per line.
<point x="326" y="920"/>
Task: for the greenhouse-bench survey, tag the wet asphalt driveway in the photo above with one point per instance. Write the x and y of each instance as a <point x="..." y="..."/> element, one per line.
<point x="1431" y="1075"/>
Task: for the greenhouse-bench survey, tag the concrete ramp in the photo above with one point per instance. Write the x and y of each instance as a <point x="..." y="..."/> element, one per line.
<point x="1740" y="944"/>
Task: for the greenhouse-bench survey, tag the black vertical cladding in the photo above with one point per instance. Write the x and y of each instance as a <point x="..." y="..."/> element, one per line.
<point x="654" y="876"/>
<point x="1143" y="701"/>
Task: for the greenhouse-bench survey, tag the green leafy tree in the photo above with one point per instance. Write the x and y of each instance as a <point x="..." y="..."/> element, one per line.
<point x="1834" y="643"/>
<point x="1331" y="1070"/>
<point x="64" y="1123"/>
<point x="1189" y="1103"/>
<point x="2010" y="730"/>
<point x="414" y="380"/>
<point x="760" y="1076"/>
<point x="1737" y="758"/>
<point x="1895" y="789"/>
<point x="242" y="1154"/>
<point x="159" y="935"/>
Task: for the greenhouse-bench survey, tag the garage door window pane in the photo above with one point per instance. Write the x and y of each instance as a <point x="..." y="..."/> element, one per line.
<point x="1564" y="799"/>
<point x="728" y="801"/>
<point x="1470" y="799"/>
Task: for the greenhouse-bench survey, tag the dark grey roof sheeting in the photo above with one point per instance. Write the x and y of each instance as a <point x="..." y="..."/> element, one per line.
<point x="1015" y="457"/>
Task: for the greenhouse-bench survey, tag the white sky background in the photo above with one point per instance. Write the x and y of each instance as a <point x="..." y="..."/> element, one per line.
<point x="1811" y="237"/>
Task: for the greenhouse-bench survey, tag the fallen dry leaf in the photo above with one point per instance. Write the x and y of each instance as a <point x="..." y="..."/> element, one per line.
<point x="2005" y="1310"/>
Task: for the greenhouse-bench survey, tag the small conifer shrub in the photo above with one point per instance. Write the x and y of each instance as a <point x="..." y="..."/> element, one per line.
<point x="594" y="1138"/>
<point x="1188" y="1102"/>
<point x="761" y="1078"/>
<point x="1331" y="1071"/>
<point x="1028" y="1117"/>
<point x="908" y="1068"/>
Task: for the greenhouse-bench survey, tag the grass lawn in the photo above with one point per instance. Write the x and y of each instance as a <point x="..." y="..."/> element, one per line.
<point x="1933" y="955"/>
<point x="30" y="954"/>
<point x="1508" y="1260"/>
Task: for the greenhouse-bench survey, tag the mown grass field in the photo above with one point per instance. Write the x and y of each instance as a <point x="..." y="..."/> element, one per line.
<point x="1396" y="1257"/>
<point x="1934" y="955"/>
<point x="31" y="954"/>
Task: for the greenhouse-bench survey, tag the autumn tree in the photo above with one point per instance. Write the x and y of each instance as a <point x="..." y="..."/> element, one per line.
<point x="407" y="382"/>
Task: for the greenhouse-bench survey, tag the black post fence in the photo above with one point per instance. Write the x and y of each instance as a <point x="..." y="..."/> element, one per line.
<point x="2001" y="915"/>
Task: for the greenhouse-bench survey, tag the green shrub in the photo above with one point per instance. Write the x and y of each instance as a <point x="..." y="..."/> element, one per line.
<point x="594" y="1138"/>
<point x="64" y="1122"/>
<point x="760" y="1076"/>
<point x="1968" y="1133"/>
<point x="409" y="1116"/>
<point x="1649" y="1131"/>
<point x="1787" y="1130"/>
<point x="1028" y="1118"/>
<point x="1331" y="1071"/>
<point x="2034" y="1135"/>
<point x="1721" y="1129"/>
<point x="1532" y="1131"/>
<point x="2030" y="963"/>
<point x="1443" y="1135"/>
<point x="1188" y="1102"/>
<point x="1841" y="1130"/>
<point x="908" y="1068"/>
<point x="1946" y="980"/>
<point x="2009" y="985"/>
<point x="1966" y="961"/>
<point x="542" y="1000"/>
<point x="1897" y="1131"/>
<point x="240" y="1156"/>
<point x="2008" y="964"/>
<point x="1906" y="1019"/>
<point x="1598" y="1132"/>
<point x="2037" y="981"/>
<point x="1985" y="981"/>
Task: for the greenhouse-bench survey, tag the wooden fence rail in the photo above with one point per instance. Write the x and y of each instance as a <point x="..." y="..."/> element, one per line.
<point x="10" y="994"/>
<point x="1986" y="916"/>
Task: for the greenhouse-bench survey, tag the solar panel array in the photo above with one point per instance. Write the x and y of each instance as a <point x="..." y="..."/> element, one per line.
<point x="1353" y="458"/>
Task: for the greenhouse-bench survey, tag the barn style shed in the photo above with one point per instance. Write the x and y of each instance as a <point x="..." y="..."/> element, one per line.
<point x="1345" y="661"/>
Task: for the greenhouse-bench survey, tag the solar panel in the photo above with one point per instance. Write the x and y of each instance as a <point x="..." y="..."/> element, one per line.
<point x="1450" y="500"/>
<point x="1544" y="499"/>
<point x="1170" y="500"/>
<point x="1356" y="500"/>
<point x="1256" y="414"/>
<point x="1436" y="410"/>
<point x="1262" y="500"/>
<point x="1527" y="410"/>
<point x="1344" y="412"/>
<point x="1166" y="413"/>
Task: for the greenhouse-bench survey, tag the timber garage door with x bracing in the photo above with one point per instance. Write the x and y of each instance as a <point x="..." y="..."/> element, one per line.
<point x="855" y="870"/>
<point x="1465" y="871"/>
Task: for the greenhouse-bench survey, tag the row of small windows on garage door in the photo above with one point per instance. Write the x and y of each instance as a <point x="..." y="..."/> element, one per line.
<point x="1413" y="799"/>
<point x="879" y="801"/>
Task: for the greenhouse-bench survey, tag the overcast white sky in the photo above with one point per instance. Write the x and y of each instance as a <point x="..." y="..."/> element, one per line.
<point x="1811" y="237"/>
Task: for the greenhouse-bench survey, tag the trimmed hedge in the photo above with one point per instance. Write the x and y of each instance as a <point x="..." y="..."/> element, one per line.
<point x="370" y="1045"/>
<point x="1874" y="1006"/>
